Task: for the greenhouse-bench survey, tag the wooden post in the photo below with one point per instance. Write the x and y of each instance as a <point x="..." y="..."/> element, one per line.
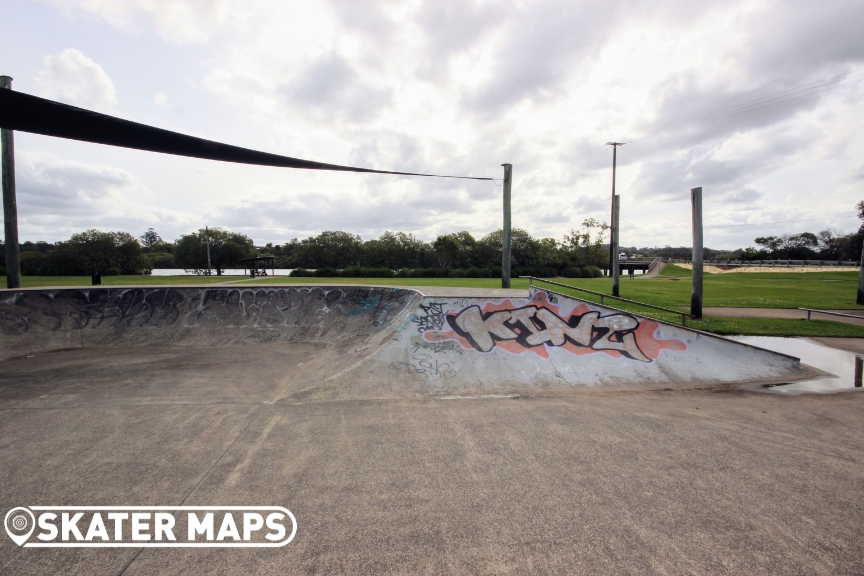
<point x="859" y="299"/>
<point x="207" y="234"/>
<point x="10" y="205"/>
<point x="613" y="245"/>
<point x="696" y="297"/>
<point x="505" y="236"/>
<point x="859" y="369"/>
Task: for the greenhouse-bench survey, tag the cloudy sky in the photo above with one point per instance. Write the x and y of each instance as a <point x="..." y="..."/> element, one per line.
<point x="453" y="87"/>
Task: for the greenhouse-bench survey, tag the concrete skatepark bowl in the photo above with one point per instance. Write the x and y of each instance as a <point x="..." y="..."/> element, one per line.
<point x="416" y="434"/>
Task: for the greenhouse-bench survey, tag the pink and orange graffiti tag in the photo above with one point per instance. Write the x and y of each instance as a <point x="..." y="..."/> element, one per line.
<point x="539" y="325"/>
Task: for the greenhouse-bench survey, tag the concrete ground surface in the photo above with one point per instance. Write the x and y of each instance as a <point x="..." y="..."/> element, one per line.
<point x="690" y="480"/>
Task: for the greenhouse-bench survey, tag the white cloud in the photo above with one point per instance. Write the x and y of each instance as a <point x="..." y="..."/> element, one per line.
<point x="58" y="197"/>
<point x="460" y="87"/>
<point x="177" y="21"/>
<point x="73" y="78"/>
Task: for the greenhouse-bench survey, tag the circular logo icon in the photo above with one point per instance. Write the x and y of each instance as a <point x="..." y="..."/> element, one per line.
<point x="20" y="523"/>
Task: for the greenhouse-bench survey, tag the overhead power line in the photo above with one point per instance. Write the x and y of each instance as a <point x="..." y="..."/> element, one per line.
<point x="774" y="99"/>
<point x="780" y="222"/>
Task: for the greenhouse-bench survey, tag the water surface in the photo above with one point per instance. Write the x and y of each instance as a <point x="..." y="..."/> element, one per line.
<point x="839" y="363"/>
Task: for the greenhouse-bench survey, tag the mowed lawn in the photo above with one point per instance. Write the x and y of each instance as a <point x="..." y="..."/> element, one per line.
<point x="823" y="290"/>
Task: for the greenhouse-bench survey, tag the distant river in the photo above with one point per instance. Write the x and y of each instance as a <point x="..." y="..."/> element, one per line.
<point x="226" y="272"/>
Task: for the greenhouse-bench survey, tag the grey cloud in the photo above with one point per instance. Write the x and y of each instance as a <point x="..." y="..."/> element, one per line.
<point x="545" y="44"/>
<point x="746" y="195"/>
<point x="389" y="207"/>
<point x="330" y="86"/>
<point x="453" y="26"/>
<point x="794" y="37"/>
<point x="53" y="186"/>
<point x="58" y="197"/>
<point x="784" y="45"/>
<point x="682" y="101"/>
<point x="369" y="17"/>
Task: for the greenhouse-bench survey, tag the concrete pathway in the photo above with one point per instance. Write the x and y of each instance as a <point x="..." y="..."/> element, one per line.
<point x="790" y="313"/>
<point x="654" y="272"/>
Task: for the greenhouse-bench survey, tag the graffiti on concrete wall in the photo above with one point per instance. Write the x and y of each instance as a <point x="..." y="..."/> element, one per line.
<point x="541" y="325"/>
<point x="118" y="309"/>
<point x="425" y="368"/>
<point x="432" y="317"/>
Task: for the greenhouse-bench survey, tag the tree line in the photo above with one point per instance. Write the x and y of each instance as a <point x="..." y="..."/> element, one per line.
<point x="581" y="253"/>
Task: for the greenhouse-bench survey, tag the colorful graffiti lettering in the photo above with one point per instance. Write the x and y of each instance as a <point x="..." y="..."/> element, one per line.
<point x="539" y="325"/>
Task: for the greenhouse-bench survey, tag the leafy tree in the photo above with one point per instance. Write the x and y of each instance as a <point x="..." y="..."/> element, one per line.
<point x="525" y="251"/>
<point x="33" y="263"/>
<point x="331" y="249"/>
<point x="446" y="248"/>
<point x="149" y="238"/>
<point x="108" y="253"/>
<point x="395" y="250"/>
<point x="770" y="243"/>
<point x="226" y="249"/>
<point x="160" y="247"/>
<point x="586" y="245"/>
<point x="161" y="260"/>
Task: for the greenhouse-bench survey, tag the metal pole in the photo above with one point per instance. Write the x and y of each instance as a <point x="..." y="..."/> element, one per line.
<point x="696" y="297"/>
<point x="505" y="235"/>
<point x="612" y="229"/>
<point x="207" y="234"/>
<point x="859" y="299"/>
<point x="616" y="272"/>
<point x="10" y="205"/>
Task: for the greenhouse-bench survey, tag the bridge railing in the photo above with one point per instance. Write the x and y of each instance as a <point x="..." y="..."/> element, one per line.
<point x="532" y="279"/>
<point x="773" y="263"/>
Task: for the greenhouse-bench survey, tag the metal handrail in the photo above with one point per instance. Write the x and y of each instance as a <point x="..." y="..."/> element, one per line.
<point x="810" y="310"/>
<point x="683" y="315"/>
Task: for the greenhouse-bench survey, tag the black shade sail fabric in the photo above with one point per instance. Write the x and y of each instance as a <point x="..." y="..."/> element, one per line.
<point x="26" y="113"/>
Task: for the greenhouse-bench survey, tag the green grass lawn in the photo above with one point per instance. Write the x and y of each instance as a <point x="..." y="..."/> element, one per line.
<point x="673" y="270"/>
<point x="777" y="327"/>
<point x="824" y="290"/>
<point x="517" y="283"/>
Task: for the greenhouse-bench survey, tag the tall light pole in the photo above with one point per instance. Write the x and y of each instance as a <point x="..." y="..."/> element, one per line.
<point x="613" y="232"/>
<point x="505" y="229"/>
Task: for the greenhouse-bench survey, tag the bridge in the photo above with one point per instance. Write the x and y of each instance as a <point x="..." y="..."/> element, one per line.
<point x="643" y="265"/>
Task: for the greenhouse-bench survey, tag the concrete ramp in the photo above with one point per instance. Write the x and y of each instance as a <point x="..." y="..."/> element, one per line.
<point x="385" y="342"/>
<point x="453" y="345"/>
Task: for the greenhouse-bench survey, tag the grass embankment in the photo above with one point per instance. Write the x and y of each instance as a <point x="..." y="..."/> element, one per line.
<point x="677" y="271"/>
<point x="822" y="290"/>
